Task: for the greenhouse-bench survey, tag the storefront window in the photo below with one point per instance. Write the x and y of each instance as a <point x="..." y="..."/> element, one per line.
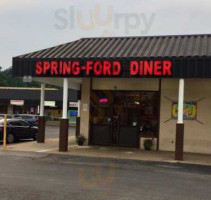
<point x="149" y="114"/>
<point x="126" y="109"/>
<point x="101" y="107"/>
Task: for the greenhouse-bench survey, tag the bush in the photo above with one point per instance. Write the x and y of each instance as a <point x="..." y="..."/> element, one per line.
<point x="148" y="143"/>
<point x="80" y="140"/>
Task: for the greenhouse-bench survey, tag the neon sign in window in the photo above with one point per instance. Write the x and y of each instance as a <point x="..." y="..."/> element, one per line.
<point x="103" y="100"/>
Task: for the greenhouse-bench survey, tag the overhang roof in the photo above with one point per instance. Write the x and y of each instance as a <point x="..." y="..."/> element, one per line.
<point x="190" y="55"/>
<point x="129" y="47"/>
<point x="33" y="94"/>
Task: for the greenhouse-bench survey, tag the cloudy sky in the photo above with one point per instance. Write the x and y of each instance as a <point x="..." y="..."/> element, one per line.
<point x="30" y="25"/>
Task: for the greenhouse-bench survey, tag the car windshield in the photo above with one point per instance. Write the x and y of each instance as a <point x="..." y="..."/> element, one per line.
<point x="18" y="123"/>
<point x="26" y="117"/>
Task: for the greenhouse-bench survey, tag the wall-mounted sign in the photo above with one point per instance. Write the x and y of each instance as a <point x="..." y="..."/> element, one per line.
<point x="190" y="110"/>
<point x="17" y="102"/>
<point x="106" y="68"/>
<point x="27" y="79"/>
<point x="73" y="104"/>
<point x="50" y="103"/>
<point x="73" y="113"/>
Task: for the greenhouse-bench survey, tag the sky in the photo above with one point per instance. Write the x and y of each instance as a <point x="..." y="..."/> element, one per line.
<point x="30" y="25"/>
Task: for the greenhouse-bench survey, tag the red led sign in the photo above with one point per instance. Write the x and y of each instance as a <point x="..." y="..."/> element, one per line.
<point x="103" y="68"/>
<point x="151" y="68"/>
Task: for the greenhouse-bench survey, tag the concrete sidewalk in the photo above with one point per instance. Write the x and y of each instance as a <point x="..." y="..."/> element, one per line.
<point x="51" y="147"/>
<point x="57" y="123"/>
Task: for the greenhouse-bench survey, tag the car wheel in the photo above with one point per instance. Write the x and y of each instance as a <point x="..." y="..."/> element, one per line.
<point x="10" y="138"/>
<point x="35" y="136"/>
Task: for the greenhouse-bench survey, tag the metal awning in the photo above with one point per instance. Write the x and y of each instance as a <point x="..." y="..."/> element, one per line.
<point x="190" y="54"/>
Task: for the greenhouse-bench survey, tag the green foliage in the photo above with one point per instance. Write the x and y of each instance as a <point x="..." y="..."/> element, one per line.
<point x="6" y="80"/>
<point x="148" y="143"/>
<point x="80" y="140"/>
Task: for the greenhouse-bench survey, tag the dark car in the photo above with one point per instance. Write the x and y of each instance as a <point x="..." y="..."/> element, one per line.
<point x="31" y="119"/>
<point x="18" y="129"/>
<point x="8" y="116"/>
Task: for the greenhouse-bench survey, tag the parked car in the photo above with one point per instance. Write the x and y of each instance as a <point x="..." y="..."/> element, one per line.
<point x="8" y="116"/>
<point x="18" y="129"/>
<point x="32" y="119"/>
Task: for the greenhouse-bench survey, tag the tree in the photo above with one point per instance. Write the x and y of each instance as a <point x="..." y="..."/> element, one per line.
<point x="6" y="80"/>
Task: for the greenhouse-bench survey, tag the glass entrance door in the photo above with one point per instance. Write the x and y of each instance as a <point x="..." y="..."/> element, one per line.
<point x="101" y="117"/>
<point x="128" y="104"/>
<point x="122" y="117"/>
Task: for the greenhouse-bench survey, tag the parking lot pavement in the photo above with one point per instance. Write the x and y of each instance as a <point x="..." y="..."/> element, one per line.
<point x="57" y="177"/>
<point x="53" y="131"/>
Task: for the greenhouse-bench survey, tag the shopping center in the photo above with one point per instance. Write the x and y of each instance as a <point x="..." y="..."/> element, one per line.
<point x="131" y="88"/>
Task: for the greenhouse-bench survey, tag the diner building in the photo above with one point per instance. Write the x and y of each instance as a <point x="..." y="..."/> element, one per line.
<point x="131" y="89"/>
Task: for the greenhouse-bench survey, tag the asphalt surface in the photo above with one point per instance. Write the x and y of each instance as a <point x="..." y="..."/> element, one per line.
<point x="50" y="133"/>
<point x="37" y="176"/>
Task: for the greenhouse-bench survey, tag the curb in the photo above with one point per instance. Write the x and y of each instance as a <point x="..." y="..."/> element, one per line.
<point x="112" y="158"/>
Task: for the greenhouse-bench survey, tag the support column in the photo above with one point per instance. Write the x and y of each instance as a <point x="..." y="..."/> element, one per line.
<point x="79" y="108"/>
<point x="77" y="133"/>
<point x="85" y="109"/>
<point x="64" y="122"/>
<point x="180" y="125"/>
<point x="41" y="119"/>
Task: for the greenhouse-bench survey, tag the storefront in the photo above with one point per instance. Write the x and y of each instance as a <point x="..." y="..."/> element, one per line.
<point x="21" y="100"/>
<point x="132" y="88"/>
<point x="124" y="117"/>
